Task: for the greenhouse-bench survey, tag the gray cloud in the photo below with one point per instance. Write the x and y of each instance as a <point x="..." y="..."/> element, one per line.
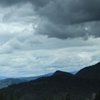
<point x="68" y="31"/>
<point x="68" y="19"/>
<point x="70" y="12"/>
<point x="59" y="18"/>
<point x="25" y="48"/>
<point x="37" y="3"/>
<point x="62" y="32"/>
<point x="64" y="11"/>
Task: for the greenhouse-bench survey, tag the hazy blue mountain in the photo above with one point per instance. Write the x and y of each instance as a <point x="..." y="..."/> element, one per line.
<point x="35" y="77"/>
<point x="2" y="77"/>
<point x="5" y="82"/>
<point x="10" y="81"/>
<point x="73" y="72"/>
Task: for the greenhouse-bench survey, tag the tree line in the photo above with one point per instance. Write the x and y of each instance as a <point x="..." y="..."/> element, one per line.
<point x="4" y="97"/>
<point x="66" y="96"/>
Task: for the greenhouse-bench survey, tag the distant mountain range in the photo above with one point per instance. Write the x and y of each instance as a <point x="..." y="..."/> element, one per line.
<point x="80" y="86"/>
<point x="35" y="77"/>
<point x="32" y="77"/>
<point x="73" y="72"/>
<point x="58" y="84"/>
<point x="2" y="77"/>
<point x="5" y="82"/>
<point x="10" y="81"/>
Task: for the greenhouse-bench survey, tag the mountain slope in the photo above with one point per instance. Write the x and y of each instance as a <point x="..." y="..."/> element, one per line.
<point x="58" y="72"/>
<point x="79" y="88"/>
<point x="90" y="72"/>
<point x="10" y="81"/>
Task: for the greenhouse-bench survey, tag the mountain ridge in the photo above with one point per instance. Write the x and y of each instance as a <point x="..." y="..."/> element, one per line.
<point x="92" y="71"/>
<point x="79" y="88"/>
<point x="58" y="84"/>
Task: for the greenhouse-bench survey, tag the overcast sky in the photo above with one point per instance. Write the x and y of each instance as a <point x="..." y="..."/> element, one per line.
<point x="42" y="36"/>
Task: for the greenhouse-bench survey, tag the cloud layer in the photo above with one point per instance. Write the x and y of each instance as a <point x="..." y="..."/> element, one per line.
<point x="38" y="37"/>
<point x="57" y="18"/>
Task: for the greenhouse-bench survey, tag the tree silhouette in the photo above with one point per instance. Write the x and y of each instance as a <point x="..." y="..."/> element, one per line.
<point x="1" y="96"/>
<point x="5" y="97"/>
<point x="11" y="96"/>
<point x="49" y="96"/>
<point x="97" y="97"/>
<point x="68" y="97"/>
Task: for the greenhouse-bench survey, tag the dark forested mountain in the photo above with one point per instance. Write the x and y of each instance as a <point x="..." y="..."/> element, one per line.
<point x="90" y="72"/>
<point x="58" y="85"/>
<point x="58" y="72"/>
<point x="4" y="82"/>
<point x="9" y="81"/>
<point x="80" y="86"/>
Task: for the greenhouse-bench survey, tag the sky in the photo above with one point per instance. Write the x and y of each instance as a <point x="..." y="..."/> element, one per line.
<point x="42" y="36"/>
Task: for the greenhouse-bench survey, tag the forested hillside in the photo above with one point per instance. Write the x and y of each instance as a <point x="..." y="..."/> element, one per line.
<point x="90" y="72"/>
<point x="58" y="85"/>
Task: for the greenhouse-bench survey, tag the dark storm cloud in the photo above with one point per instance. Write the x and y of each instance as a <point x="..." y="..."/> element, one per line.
<point x="38" y="3"/>
<point x="68" y="18"/>
<point x="71" y="11"/>
<point x="61" y="32"/>
<point x="64" y="11"/>
<point x="65" y="18"/>
<point x="84" y="30"/>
